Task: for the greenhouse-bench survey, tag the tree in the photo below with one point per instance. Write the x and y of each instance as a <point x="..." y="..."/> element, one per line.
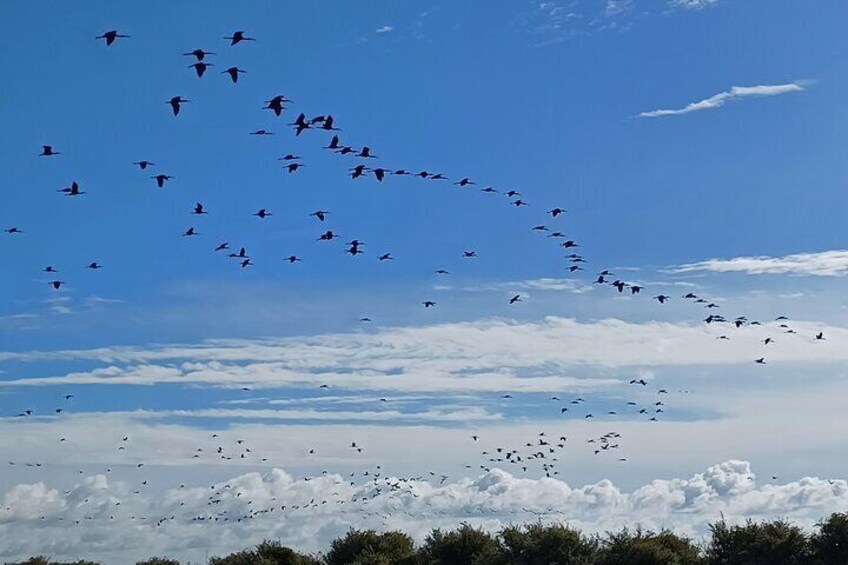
<point x="466" y="545"/>
<point x="367" y="547"/>
<point x="550" y="545"/>
<point x="766" y="543"/>
<point x="648" y="548"/>
<point x="266" y="553"/>
<point x="830" y="544"/>
<point x="158" y="561"/>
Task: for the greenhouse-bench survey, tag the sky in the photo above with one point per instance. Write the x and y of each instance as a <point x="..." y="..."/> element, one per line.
<point x="696" y="146"/>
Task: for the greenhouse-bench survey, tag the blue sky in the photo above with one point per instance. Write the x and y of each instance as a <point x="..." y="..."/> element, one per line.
<point x="697" y="146"/>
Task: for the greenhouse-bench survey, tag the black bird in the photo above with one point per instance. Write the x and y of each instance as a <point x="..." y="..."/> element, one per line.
<point x="175" y="103"/>
<point x="428" y="303"/>
<point x="334" y="143"/>
<point x="198" y="209"/>
<point x="262" y="132"/>
<point x="288" y="157"/>
<point x="263" y="213"/>
<point x="12" y="231"/>
<point x="380" y="173"/>
<point x="199" y="54"/>
<point x="662" y="298"/>
<point x="761" y="361"/>
<point x="293" y="167"/>
<point x="94" y="266"/>
<point x="160" y="179"/>
<point x="320" y="214"/>
<point x="237" y="37"/>
<point x="47" y="151"/>
<point x="365" y="153"/>
<point x="276" y="104"/>
<point x="293" y="259"/>
<point x="518" y="203"/>
<point x="72" y="190"/>
<point x="242" y="254"/>
<point x="556" y="212"/>
<point x="385" y="257"/>
<point x="144" y="164"/>
<point x="465" y="182"/>
<point x="190" y="232"/>
<point x="514" y="299"/>
<point x="469" y="254"/>
<point x="300" y="124"/>
<point x="820" y="336"/>
<point x="56" y="284"/>
<point x="111" y="36"/>
<point x="234" y="73"/>
<point x="328" y="236"/>
<point x="222" y="246"/>
<point x="328" y="124"/>
<point x="488" y="189"/>
<point x="50" y="269"/>
<point x="200" y="67"/>
<point x="357" y="171"/>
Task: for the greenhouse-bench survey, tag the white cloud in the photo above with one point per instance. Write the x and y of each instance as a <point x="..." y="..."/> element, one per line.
<point x="232" y="514"/>
<point x="719" y="100"/>
<point x="693" y="4"/>
<point x="383" y="29"/>
<point x="825" y="264"/>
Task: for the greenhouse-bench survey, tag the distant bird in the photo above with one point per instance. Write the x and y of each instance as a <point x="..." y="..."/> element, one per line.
<point x="199" y="54"/>
<point x="242" y="254"/>
<point x="293" y="259"/>
<point x="222" y="246"/>
<point x="190" y="232"/>
<point x="469" y="254"/>
<point x="761" y="361"/>
<point x="428" y="303"/>
<point x="200" y="67"/>
<point x="328" y="236"/>
<point x="662" y="298"/>
<point x="300" y="124"/>
<point x="50" y="269"/>
<point x="465" y="182"/>
<point x="12" y="231"/>
<point x="94" y="266"/>
<point x="288" y="157"/>
<point x="293" y="167"/>
<point x="198" y="209"/>
<point x="488" y="189"/>
<point x="514" y="299"/>
<point x="72" y="190"/>
<point x="144" y="164"/>
<point x="175" y="103"/>
<point x="263" y="213"/>
<point x="47" y="151"/>
<point x="160" y="179"/>
<point x="365" y="153"/>
<point x="334" y="143"/>
<point x="385" y="257"/>
<point x="820" y="336"/>
<point x="518" y="203"/>
<point x="238" y="37"/>
<point x="262" y="132"/>
<point x="56" y="284"/>
<point x="442" y="272"/>
<point x="234" y="73"/>
<point x="320" y="214"/>
<point x="111" y="36"/>
<point x="276" y="104"/>
<point x="556" y="212"/>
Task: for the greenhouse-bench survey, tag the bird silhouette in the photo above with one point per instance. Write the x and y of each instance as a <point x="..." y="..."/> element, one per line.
<point x="199" y="54"/>
<point x="200" y="68"/>
<point x="47" y="151"/>
<point x="238" y="37"/>
<point x="175" y="103"/>
<point x="111" y="36"/>
<point x="234" y="73"/>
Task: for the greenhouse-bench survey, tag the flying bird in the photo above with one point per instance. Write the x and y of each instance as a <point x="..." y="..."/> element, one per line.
<point x="111" y="36"/>
<point x="234" y="73"/>
<point x="175" y="103"/>
<point x="238" y="37"/>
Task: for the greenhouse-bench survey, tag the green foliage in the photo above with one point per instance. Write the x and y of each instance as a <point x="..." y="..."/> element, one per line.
<point x="549" y="545"/>
<point x="266" y="553"/>
<point x="367" y="547"/>
<point x="466" y="545"/>
<point x="766" y="543"/>
<point x="648" y="548"/>
<point x="41" y="560"/>
<point x="158" y="561"/>
<point x="830" y="544"/>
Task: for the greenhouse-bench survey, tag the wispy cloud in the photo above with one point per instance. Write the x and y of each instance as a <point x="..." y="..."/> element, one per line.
<point x="383" y="29"/>
<point x="722" y="98"/>
<point x="693" y="4"/>
<point x="824" y="264"/>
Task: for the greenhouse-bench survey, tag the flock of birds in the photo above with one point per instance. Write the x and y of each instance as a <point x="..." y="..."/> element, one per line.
<point x="538" y="454"/>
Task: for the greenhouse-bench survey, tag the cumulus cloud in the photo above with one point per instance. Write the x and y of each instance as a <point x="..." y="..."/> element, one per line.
<point x="722" y="98"/>
<point x="306" y="514"/>
<point x="825" y="264"/>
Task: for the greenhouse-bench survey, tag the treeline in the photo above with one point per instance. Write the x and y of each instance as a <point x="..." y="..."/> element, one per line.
<point x="753" y="543"/>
